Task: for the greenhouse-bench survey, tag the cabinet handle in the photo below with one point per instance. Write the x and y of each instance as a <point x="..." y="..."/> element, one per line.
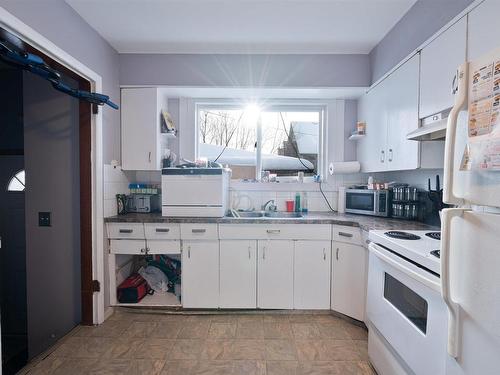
<point x="249" y="253"/>
<point x="324" y="254"/>
<point x="264" y="252"/>
<point x="198" y="230"/>
<point x="270" y="231"/>
<point x="344" y="234"/>
<point x="126" y="230"/>
<point x="162" y="230"/>
<point x="382" y="156"/>
<point x="143" y="251"/>
<point x="189" y="252"/>
<point x="149" y="157"/>
<point x="337" y="254"/>
<point x="390" y="154"/>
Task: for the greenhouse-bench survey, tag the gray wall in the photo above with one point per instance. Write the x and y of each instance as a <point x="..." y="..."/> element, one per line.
<point x="423" y="19"/>
<point x="245" y="70"/>
<point x="51" y="158"/>
<point x="59" y="23"/>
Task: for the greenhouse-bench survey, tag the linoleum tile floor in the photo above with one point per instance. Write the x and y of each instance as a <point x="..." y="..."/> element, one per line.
<point x="239" y="344"/>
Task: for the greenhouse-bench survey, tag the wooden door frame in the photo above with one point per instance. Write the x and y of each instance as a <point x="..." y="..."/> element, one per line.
<point x="91" y="165"/>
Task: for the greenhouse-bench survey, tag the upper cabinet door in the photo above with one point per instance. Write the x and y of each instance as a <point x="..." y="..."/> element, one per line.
<point x="372" y="109"/>
<point x="402" y="86"/>
<point x="438" y="64"/>
<point x="484" y="29"/>
<point x="140" y="129"/>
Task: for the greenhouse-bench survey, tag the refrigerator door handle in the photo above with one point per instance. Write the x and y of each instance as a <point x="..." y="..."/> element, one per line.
<point x="453" y="307"/>
<point x="451" y="131"/>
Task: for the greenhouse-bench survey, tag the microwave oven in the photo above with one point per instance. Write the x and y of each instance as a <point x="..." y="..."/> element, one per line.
<point x="367" y="202"/>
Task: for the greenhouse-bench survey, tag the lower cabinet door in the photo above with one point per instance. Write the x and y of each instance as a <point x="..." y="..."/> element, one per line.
<point x="238" y="274"/>
<point x="200" y="274"/>
<point x="312" y="275"/>
<point x="275" y="274"/>
<point x="349" y="279"/>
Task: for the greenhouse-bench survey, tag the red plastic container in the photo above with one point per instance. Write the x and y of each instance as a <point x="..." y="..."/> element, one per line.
<point x="290" y="206"/>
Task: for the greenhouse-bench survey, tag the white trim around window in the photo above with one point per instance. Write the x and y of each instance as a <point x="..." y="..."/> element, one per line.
<point x="288" y="105"/>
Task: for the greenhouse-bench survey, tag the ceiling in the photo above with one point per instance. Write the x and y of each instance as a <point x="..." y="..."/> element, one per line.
<point x="242" y="26"/>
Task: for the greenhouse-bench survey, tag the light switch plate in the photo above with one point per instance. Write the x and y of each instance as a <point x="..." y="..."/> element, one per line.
<point x="44" y="219"/>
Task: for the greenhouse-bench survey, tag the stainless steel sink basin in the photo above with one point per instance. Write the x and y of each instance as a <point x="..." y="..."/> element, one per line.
<point x="283" y="215"/>
<point x="249" y="215"/>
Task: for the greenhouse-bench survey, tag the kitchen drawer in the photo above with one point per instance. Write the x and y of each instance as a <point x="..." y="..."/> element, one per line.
<point x="199" y="232"/>
<point x="347" y="234"/>
<point x="159" y="231"/>
<point x="275" y="231"/>
<point x="126" y="230"/>
<point x="128" y="247"/>
<point x="164" y="246"/>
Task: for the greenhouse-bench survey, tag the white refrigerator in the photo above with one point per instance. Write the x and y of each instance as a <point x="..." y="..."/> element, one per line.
<point x="470" y="245"/>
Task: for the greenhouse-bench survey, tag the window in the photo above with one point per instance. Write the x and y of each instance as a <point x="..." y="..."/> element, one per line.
<point x="283" y="140"/>
<point x="16" y="183"/>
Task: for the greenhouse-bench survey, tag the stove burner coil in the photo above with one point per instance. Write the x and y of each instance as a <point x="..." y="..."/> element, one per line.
<point x="402" y="235"/>
<point x="434" y="235"/>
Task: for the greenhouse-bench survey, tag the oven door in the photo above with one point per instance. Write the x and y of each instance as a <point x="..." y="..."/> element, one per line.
<point x="405" y="305"/>
<point x="360" y="202"/>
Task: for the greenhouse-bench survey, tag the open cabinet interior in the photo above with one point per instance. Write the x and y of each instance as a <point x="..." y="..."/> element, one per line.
<point x="162" y="273"/>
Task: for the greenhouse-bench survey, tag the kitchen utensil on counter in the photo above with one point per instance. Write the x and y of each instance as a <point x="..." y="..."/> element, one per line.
<point x="121" y="204"/>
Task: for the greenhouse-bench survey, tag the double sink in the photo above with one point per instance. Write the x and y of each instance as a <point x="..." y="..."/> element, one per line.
<point x="267" y="214"/>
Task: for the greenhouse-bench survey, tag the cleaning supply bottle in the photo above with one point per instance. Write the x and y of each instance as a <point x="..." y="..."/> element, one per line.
<point x="297" y="202"/>
<point x="304" y="202"/>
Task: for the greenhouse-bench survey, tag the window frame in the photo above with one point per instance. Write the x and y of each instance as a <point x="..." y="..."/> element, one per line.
<point x="272" y="106"/>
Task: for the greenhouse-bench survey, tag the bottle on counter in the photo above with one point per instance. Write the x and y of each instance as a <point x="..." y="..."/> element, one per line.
<point x="297" y="202"/>
<point x="304" y="202"/>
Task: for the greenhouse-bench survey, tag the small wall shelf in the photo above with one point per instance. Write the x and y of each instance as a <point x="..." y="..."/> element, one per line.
<point x="169" y="135"/>
<point x="355" y="137"/>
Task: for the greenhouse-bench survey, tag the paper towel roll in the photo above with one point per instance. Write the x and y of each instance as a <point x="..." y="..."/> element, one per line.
<point x="344" y="167"/>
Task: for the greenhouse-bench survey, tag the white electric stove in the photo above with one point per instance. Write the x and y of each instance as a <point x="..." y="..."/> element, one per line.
<point x="418" y="246"/>
<point x="406" y="314"/>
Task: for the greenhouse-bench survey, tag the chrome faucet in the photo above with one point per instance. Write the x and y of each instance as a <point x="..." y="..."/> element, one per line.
<point x="272" y="205"/>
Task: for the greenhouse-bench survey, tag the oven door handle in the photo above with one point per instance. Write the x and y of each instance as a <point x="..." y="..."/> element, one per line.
<point x="375" y="249"/>
<point x="453" y="307"/>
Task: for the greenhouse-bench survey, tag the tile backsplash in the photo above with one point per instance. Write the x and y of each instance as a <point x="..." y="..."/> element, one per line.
<point x="116" y="181"/>
<point x="254" y="199"/>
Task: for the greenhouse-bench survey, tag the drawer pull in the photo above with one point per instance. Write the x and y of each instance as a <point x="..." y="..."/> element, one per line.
<point x="162" y="230"/>
<point x="198" y="230"/>
<point x="337" y="254"/>
<point x="126" y="230"/>
<point x="324" y="254"/>
<point x="344" y="234"/>
<point x="273" y="231"/>
<point x="189" y="252"/>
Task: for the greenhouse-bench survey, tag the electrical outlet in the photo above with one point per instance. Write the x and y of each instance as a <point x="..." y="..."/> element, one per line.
<point x="44" y="219"/>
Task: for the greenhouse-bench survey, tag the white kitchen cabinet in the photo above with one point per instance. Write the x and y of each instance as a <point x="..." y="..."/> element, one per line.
<point x="438" y="63"/>
<point x="390" y="110"/>
<point x="200" y="274"/>
<point x="402" y="99"/>
<point x="349" y="279"/>
<point x="275" y="274"/>
<point x="141" y="128"/>
<point x="372" y="109"/>
<point x="238" y="274"/>
<point x="312" y="275"/>
<point x="483" y="29"/>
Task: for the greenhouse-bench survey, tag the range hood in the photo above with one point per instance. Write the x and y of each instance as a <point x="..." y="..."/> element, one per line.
<point x="432" y="128"/>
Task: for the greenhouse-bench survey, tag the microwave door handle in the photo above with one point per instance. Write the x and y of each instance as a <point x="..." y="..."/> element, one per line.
<point x="375" y="202"/>
<point x="453" y="307"/>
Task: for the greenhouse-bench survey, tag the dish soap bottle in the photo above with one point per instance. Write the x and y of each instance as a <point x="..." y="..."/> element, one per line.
<point x="304" y="202"/>
<point x="297" y="202"/>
